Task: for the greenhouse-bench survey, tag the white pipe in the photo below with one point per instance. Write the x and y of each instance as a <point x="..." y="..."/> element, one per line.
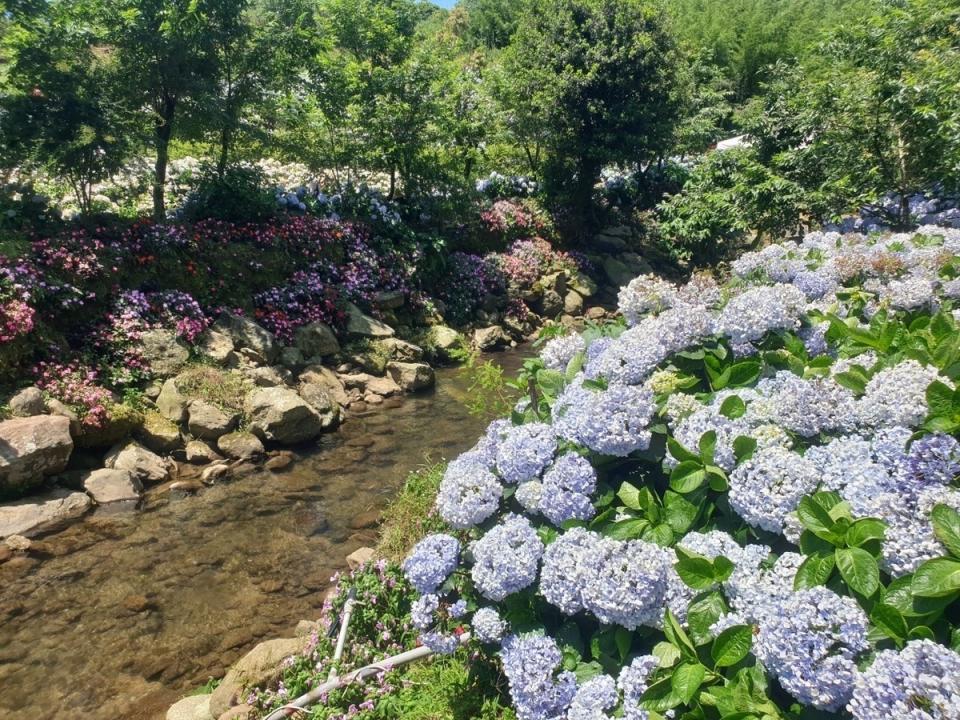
<point x="342" y="636"/>
<point x="361" y="675"/>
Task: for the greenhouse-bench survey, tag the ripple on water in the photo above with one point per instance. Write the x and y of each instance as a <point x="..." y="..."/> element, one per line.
<point x="130" y="611"/>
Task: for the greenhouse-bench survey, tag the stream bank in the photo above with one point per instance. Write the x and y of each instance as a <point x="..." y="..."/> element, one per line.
<point x="122" y="613"/>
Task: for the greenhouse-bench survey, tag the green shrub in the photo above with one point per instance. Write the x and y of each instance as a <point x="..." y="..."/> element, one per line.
<point x="239" y="194"/>
<point x="730" y="198"/>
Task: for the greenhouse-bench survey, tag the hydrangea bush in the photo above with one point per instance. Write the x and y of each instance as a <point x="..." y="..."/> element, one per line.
<point x="740" y="503"/>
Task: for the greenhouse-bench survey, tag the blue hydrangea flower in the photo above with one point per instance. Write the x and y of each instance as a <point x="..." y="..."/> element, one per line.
<point x="487" y="625"/>
<point x="529" y="662"/>
<point x="622" y="583"/>
<point x="423" y="610"/>
<point x="909" y="540"/>
<point x="643" y="295"/>
<point x="506" y="558"/>
<point x="440" y="643"/>
<point x="567" y="486"/>
<point x="431" y="561"/>
<point x="529" y="494"/>
<point x="633" y="683"/>
<point x="752" y="314"/>
<point x="811" y="644"/>
<point x="525" y="451"/>
<point x="469" y="494"/>
<point x="558" y="352"/>
<point x="592" y="698"/>
<point x="932" y="460"/>
<point x="919" y="682"/>
<point x="768" y="486"/>
<point x="457" y="609"/>
<point x="611" y="422"/>
<point x="897" y="395"/>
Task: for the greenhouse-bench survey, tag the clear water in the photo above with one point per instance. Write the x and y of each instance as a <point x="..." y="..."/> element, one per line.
<point x="131" y="610"/>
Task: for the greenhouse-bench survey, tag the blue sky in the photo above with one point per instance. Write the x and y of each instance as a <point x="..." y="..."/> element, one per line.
<point x="445" y="3"/>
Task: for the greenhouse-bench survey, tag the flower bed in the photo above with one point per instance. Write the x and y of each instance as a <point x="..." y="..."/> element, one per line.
<point x="740" y="503"/>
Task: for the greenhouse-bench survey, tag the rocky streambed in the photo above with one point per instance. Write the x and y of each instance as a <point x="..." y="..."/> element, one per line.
<point x="124" y="611"/>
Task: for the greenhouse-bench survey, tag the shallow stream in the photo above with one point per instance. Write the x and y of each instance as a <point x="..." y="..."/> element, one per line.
<point x="129" y="611"/>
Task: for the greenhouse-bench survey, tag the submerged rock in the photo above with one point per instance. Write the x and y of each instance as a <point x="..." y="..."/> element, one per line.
<point x="32" y="448"/>
<point x="43" y="513"/>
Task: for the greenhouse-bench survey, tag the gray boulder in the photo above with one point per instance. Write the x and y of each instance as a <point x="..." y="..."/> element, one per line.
<point x="383" y="386"/>
<point x="402" y="350"/>
<point x="159" y="434"/>
<point x="171" y="403"/>
<point x="550" y="304"/>
<point x="164" y="351"/>
<point x="389" y="299"/>
<point x="207" y="421"/>
<point x="360" y="325"/>
<point x="43" y="513"/>
<point x="146" y="466"/>
<point x="247" y="334"/>
<point x="321" y="401"/>
<point x="573" y="303"/>
<point x="32" y="448"/>
<point x="111" y="485"/>
<point x="217" y="346"/>
<point x="258" y="667"/>
<point x="411" y="376"/>
<point x="199" y="453"/>
<point x="320" y="375"/>
<point x="316" y="340"/>
<point x="292" y="358"/>
<point x="489" y="338"/>
<point x="193" y="707"/>
<point x="27" y="402"/>
<point x="280" y="415"/>
<point x="240" y="445"/>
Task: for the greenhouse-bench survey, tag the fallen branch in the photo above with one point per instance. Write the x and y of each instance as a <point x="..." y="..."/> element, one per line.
<point x="359" y="676"/>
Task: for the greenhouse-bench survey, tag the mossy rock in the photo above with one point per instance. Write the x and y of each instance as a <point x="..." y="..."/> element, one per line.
<point x="122" y="421"/>
<point x="159" y="434"/>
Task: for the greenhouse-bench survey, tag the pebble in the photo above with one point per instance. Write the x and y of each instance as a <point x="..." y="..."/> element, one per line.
<point x="136" y="603"/>
<point x="278" y="462"/>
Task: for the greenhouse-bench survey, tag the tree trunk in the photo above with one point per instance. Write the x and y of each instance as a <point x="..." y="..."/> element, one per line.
<point x="903" y="173"/>
<point x="163" y="131"/>
<point x="226" y="138"/>
<point x="587" y="172"/>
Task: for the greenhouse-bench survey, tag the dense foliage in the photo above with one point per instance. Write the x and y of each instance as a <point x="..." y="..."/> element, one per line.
<point x="742" y="502"/>
<point x="422" y="101"/>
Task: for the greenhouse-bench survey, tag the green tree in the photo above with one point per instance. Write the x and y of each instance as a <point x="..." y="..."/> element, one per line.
<point x="58" y="113"/>
<point x="877" y="110"/>
<point x="591" y="82"/>
<point x="166" y="55"/>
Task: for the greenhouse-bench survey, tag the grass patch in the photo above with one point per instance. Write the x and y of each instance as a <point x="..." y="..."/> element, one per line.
<point x="206" y="689"/>
<point x="226" y="390"/>
<point x="410" y="516"/>
<point x="449" y="688"/>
